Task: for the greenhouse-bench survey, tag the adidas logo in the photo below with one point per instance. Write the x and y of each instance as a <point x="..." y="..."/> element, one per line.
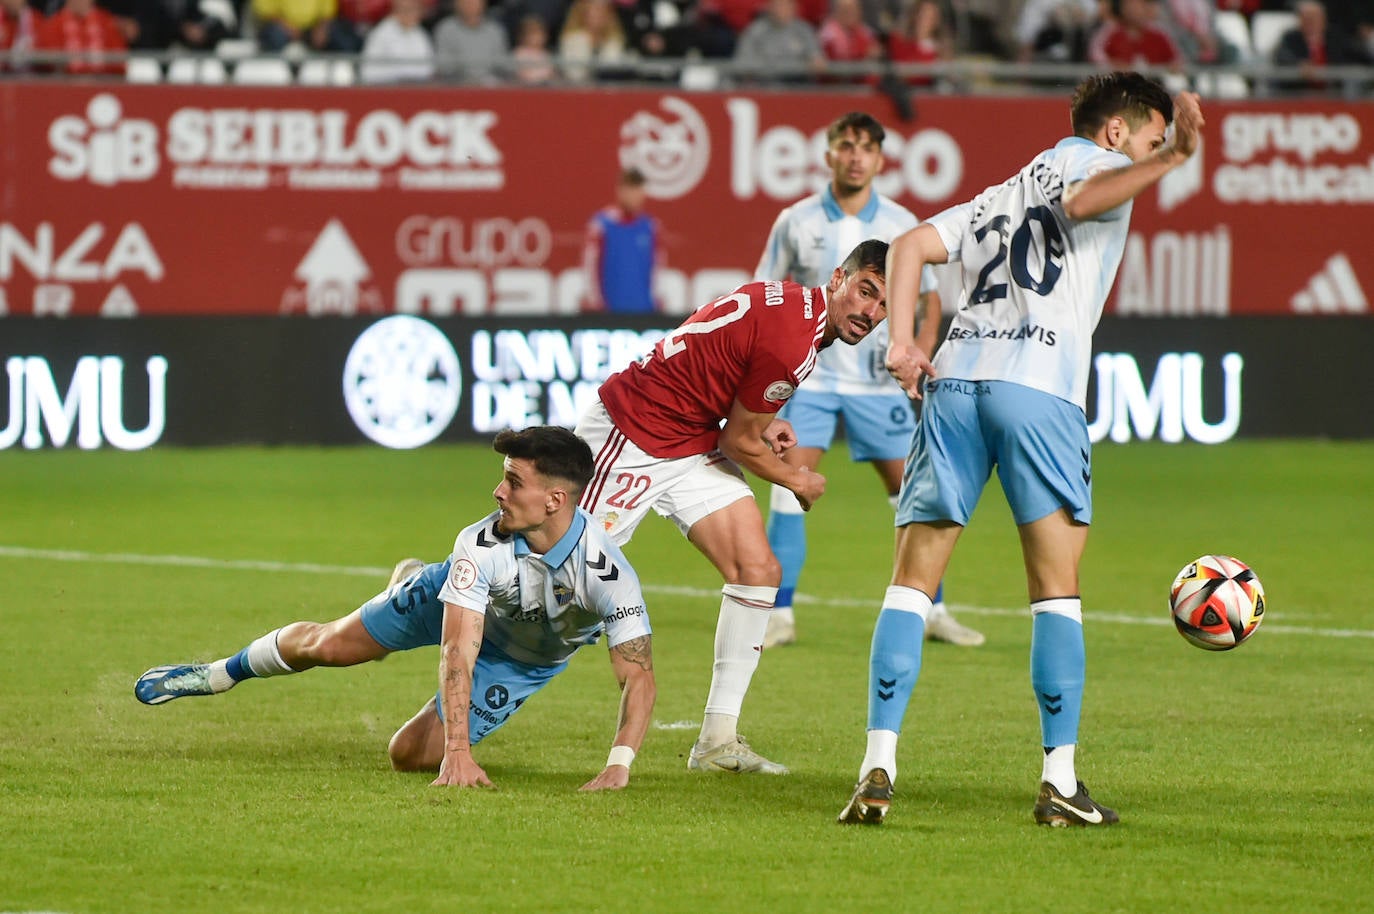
<point x="1333" y="289"/>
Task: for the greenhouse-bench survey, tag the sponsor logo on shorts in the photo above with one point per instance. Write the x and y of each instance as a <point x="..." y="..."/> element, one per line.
<point x="496" y="696"/>
<point x="462" y="574"/>
<point x="778" y="391"/>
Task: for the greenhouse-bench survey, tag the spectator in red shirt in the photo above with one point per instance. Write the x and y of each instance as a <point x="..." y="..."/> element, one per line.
<point x="920" y="37"/>
<point x="83" y="31"/>
<point x="19" y="25"/>
<point x="1131" y="39"/>
<point x="846" y="39"/>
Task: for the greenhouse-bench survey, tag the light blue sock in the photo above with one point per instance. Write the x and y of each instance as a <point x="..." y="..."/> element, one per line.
<point x="895" y="657"/>
<point x="787" y="536"/>
<point x="1058" y="663"/>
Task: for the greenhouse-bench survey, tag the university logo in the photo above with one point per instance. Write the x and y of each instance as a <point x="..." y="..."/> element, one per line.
<point x="402" y="382"/>
<point x="671" y="150"/>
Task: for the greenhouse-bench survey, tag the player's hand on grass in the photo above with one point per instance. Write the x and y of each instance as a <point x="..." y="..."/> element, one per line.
<point x="810" y="488"/>
<point x="780" y="436"/>
<point x="459" y="769"/>
<point x="907" y="363"/>
<point x="612" y="777"/>
<point x="1188" y="122"/>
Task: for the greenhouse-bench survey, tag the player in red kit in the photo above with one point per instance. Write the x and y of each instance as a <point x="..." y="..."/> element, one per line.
<point x="660" y="445"/>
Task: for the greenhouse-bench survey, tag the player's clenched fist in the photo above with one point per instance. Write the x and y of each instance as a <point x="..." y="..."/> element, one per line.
<point x="809" y="487"/>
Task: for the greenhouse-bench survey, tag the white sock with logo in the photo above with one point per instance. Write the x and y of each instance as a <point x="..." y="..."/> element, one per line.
<point x="743" y="620"/>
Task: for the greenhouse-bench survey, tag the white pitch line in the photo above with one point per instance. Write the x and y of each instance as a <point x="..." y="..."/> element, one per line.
<point x="192" y="561"/>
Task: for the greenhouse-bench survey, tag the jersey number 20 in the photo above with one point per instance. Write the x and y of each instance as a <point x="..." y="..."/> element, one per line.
<point x="1013" y="249"/>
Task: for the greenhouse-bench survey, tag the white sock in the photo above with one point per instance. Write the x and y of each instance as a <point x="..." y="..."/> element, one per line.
<point x="784" y="614"/>
<point x="743" y="620"/>
<point x="220" y="680"/>
<point x="1058" y="770"/>
<point x="265" y="659"/>
<point x="881" y="753"/>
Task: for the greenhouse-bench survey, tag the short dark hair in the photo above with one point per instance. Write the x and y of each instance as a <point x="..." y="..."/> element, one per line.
<point x="857" y="121"/>
<point x="555" y="452"/>
<point x="1124" y="93"/>
<point x="870" y="255"/>
<point x="632" y="177"/>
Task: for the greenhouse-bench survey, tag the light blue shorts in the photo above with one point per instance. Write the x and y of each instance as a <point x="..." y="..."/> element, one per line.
<point x="500" y="686"/>
<point x="876" y="427"/>
<point x="1037" y="441"/>
<point x="411" y="615"/>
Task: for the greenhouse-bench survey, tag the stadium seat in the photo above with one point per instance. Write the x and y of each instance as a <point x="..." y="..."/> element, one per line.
<point x="1221" y="85"/>
<point x="262" y="71"/>
<point x="1232" y="28"/>
<point x="699" y="77"/>
<point x="143" y="70"/>
<point x="1266" y="28"/>
<point x="187" y="70"/>
<point x="342" y="73"/>
<point x="319" y="71"/>
<point x="236" y="48"/>
<point x="313" y="72"/>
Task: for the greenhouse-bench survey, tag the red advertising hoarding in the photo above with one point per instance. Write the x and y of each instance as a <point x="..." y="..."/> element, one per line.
<point x="123" y="200"/>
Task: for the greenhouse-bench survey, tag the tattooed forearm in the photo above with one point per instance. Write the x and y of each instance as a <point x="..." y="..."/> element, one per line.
<point x="636" y="651"/>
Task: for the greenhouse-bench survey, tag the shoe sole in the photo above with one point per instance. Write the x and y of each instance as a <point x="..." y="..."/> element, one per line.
<point x="861" y="811"/>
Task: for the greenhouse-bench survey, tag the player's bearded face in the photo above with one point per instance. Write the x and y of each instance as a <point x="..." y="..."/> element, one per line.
<point x="1139" y="141"/>
<point x="858" y="303"/>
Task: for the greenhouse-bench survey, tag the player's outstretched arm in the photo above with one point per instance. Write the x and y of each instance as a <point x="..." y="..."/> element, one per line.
<point x="1104" y="192"/>
<point x="458" y="648"/>
<point x="907" y="362"/>
<point x="743" y="440"/>
<point x="633" y="663"/>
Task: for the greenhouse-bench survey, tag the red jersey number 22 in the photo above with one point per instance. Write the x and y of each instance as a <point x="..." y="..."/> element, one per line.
<point x="676" y="341"/>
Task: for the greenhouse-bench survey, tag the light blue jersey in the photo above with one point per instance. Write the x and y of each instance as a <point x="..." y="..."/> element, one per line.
<point x="809" y="240"/>
<point x="541" y="608"/>
<point x="1035" y="282"/>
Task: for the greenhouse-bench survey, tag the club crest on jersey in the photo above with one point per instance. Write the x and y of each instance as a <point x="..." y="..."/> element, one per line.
<point x="462" y="574"/>
<point x="778" y="391"/>
<point x="562" y="594"/>
<point x="608" y="519"/>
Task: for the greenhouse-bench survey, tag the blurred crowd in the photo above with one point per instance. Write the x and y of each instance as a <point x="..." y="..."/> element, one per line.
<point x="766" y="41"/>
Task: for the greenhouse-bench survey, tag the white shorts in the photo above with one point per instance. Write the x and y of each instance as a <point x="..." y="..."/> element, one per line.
<point x="628" y="482"/>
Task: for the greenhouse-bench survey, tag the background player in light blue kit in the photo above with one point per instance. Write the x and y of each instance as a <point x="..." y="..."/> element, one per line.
<point x="808" y="241"/>
<point x="523" y="590"/>
<point x="1039" y="253"/>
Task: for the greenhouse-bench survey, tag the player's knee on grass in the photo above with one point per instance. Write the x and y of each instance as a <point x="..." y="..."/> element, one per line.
<point x="419" y="745"/>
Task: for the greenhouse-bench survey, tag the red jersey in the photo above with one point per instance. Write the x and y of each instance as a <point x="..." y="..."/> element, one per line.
<point x="95" y="33"/>
<point x="1117" y="46"/>
<point x="754" y="345"/>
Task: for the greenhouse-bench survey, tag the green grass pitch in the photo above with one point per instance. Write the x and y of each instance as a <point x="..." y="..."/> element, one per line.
<point x="1245" y="780"/>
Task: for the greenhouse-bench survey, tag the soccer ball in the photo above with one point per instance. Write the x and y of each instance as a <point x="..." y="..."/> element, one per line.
<point x="1217" y="602"/>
